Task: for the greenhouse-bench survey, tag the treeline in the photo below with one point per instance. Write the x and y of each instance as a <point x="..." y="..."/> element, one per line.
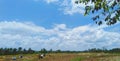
<point x="14" y="51"/>
<point x="114" y="50"/>
<point x="92" y="50"/>
<point x="20" y="50"/>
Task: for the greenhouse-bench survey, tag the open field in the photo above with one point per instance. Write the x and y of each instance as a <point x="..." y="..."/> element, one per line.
<point x="65" y="57"/>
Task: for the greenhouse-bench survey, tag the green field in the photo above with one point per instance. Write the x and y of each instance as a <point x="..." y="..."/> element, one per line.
<point x="65" y="57"/>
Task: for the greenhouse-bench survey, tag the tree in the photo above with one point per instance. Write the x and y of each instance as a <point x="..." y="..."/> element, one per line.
<point x="24" y="51"/>
<point x="43" y="50"/>
<point x="50" y="51"/>
<point x="20" y="50"/>
<point x="14" y="51"/>
<point x="58" y="51"/>
<point x="30" y="51"/>
<point x="108" y="11"/>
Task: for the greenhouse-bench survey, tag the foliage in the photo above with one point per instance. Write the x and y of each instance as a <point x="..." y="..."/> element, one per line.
<point x="11" y="51"/>
<point x="114" y="50"/>
<point x="20" y="50"/>
<point x="43" y="50"/>
<point x="108" y="11"/>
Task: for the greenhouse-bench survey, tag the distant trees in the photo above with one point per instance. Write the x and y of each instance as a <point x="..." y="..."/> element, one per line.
<point x="96" y="50"/>
<point x="20" y="50"/>
<point x="43" y="51"/>
<point x="30" y="51"/>
<point x="114" y="50"/>
<point x="13" y="51"/>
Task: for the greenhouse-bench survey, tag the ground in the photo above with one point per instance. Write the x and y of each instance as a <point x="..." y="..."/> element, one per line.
<point x="65" y="57"/>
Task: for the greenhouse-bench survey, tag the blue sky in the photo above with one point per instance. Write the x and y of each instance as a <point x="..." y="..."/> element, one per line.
<point x="39" y="12"/>
<point x="52" y="24"/>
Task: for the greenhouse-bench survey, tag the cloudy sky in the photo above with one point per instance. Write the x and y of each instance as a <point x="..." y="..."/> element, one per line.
<point x="52" y="24"/>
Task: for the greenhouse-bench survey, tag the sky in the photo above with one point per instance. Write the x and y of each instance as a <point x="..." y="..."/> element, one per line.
<point x="52" y="24"/>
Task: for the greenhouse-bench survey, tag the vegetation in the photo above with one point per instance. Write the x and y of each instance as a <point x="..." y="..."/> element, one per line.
<point x="20" y="50"/>
<point x="93" y="54"/>
<point x="64" y="57"/>
<point x="114" y="50"/>
<point x="13" y="51"/>
<point x="77" y="59"/>
<point x="107" y="10"/>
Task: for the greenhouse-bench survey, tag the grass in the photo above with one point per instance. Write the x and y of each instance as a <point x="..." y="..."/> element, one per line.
<point x="77" y="59"/>
<point x="65" y="57"/>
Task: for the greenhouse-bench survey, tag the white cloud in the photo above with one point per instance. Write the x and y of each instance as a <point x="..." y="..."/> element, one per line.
<point x="69" y="6"/>
<point x="48" y="1"/>
<point x="19" y="34"/>
<point x="51" y="1"/>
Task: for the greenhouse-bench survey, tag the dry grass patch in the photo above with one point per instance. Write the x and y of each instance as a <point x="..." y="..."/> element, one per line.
<point x="64" y="57"/>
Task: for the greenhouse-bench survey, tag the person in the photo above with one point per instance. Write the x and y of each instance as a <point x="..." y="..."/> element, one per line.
<point x="14" y="58"/>
<point x="20" y="56"/>
<point x="41" y="56"/>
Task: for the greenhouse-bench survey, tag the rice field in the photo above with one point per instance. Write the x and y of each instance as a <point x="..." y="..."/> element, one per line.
<point x="65" y="57"/>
